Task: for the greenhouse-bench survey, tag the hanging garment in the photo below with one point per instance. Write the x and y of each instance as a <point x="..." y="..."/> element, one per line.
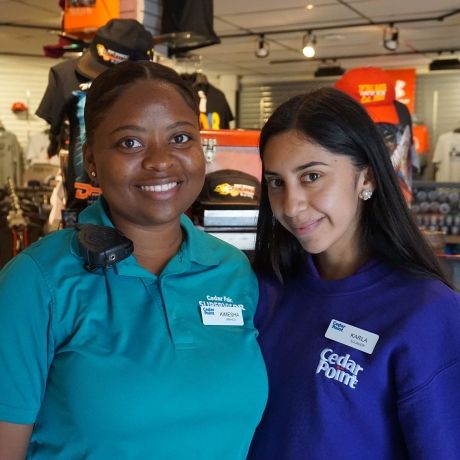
<point x="11" y="158"/>
<point x="215" y="112"/>
<point x="447" y="157"/>
<point x="64" y="100"/>
<point x="37" y="149"/>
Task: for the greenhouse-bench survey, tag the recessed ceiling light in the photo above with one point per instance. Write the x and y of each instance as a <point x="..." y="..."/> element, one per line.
<point x="310" y="6"/>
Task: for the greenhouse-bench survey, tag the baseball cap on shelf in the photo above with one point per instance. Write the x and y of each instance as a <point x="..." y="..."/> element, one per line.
<point x="230" y="187"/>
<point x="117" y="41"/>
<point x="374" y="89"/>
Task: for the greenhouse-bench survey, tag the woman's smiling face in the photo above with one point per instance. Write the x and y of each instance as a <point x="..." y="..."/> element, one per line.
<point x="147" y="155"/>
<point x="314" y="193"/>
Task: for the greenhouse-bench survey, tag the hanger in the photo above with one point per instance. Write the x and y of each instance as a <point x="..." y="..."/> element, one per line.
<point x="200" y="80"/>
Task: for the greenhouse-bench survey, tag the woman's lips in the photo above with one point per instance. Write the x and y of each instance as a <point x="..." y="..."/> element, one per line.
<point x="160" y="191"/>
<point x="307" y="228"/>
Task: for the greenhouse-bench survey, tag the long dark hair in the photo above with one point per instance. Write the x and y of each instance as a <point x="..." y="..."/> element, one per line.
<point x="336" y="122"/>
<point x="109" y="85"/>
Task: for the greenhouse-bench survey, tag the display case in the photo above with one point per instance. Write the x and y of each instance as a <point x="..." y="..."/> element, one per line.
<point x="231" y="150"/>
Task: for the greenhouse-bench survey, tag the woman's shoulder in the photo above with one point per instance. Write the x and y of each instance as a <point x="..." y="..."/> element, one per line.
<point x="51" y="252"/>
<point x="422" y="289"/>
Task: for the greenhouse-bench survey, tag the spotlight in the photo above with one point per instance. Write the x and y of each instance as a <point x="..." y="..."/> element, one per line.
<point x="262" y="49"/>
<point x="391" y="38"/>
<point x="308" y="45"/>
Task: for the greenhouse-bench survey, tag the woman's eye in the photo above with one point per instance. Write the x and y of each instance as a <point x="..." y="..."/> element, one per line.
<point x="181" y="139"/>
<point x="311" y="177"/>
<point x="274" y="183"/>
<point x="130" y="143"/>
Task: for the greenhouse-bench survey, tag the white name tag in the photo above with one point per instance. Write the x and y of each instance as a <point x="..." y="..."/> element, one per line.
<point x="352" y="336"/>
<point x="222" y="316"/>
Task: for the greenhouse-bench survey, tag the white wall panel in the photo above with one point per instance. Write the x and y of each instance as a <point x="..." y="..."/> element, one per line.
<point x="23" y="79"/>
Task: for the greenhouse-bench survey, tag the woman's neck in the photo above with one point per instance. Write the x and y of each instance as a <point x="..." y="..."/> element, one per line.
<point x="154" y="247"/>
<point x="334" y="268"/>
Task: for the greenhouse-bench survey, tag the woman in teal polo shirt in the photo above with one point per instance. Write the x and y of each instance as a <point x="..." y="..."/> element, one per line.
<point x="154" y="357"/>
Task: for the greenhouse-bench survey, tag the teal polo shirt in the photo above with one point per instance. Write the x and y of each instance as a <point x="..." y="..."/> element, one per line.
<point x="118" y="364"/>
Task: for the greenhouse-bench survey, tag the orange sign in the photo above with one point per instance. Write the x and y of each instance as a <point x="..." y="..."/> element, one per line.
<point x="421" y="138"/>
<point x="404" y="86"/>
<point x="84" y="17"/>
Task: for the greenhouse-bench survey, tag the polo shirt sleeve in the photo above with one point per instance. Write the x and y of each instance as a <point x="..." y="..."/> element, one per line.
<point x="26" y="347"/>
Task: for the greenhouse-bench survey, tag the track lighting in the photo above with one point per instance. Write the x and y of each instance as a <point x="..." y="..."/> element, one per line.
<point x="445" y="64"/>
<point x="391" y="37"/>
<point x="262" y="49"/>
<point x="308" y="45"/>
<point x="329" y="71"/>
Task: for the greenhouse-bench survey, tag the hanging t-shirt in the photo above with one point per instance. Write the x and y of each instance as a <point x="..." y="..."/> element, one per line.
<point x="215" y="113"/>
<point x="11" y="158"/>
<point x="37" y="149"/>
<point x="64" y="99"/>
<point x="447" y="157"/>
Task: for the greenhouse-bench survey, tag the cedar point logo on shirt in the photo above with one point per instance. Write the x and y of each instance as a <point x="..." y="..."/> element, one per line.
<point x="340" y="368"/>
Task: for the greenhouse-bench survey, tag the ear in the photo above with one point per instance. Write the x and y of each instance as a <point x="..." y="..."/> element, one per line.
<point x="88" y="159"/>
<point x="367" y="179"/>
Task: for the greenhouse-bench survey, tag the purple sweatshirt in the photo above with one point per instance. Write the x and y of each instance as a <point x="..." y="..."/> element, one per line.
<point x="385" y="385"/>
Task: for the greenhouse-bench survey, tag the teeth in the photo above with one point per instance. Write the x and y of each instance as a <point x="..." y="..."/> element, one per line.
<point x="158" y="188"/>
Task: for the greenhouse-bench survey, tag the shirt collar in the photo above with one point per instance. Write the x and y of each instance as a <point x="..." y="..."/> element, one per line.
<point x="194" y="249"/>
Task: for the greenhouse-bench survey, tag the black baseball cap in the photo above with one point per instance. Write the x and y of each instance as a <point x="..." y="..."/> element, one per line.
<point x="230" y="187"/>
<point x="117" y="41"/>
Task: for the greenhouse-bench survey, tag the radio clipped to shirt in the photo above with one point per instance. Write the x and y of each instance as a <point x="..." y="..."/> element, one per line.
<point x="102" y="247"/>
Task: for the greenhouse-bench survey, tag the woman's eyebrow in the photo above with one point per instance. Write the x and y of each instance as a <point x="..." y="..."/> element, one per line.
<point x="299" y="168"/>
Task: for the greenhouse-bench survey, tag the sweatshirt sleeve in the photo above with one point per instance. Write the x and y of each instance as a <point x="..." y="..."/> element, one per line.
<point x="429" y="409"/>
<point x="430" y="417"/>
<point x="26" y="346"/>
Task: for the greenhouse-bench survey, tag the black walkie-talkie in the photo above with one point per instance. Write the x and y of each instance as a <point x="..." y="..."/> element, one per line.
<point x="102" y="247"/>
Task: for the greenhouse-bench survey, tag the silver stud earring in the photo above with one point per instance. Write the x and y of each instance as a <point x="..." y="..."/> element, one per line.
<point x="366" y="194"/>
<point x="93" y="173"/>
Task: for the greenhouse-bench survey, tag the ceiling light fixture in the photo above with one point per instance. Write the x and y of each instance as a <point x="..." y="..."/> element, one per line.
<point x="308" y="45"/>
<point x="391" y="37"/>
<point x="445" y="64"/>
<point x="262" y="49"/>
<point x="329" y="71"/>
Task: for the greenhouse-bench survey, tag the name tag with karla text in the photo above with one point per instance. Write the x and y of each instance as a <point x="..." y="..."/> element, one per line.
<point x="352" y="336"/>
<point x="222" y="316"/>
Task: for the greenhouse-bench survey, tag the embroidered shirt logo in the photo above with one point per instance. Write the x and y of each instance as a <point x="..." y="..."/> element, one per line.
<point x="219" y="301"/>
<point x="234" y="190"/>
<point x="340" y="368"/>
<point x="108" y="55"/>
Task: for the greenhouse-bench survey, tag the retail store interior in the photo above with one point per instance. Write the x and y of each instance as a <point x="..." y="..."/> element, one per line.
<point x="254" y="54"/>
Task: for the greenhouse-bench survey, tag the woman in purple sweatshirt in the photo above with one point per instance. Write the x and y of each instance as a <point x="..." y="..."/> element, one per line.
<point x="359" y="326"/>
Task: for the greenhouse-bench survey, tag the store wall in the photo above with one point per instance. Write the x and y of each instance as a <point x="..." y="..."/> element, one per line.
<point x="437" y="100"/>
<point x="23" y="79"/>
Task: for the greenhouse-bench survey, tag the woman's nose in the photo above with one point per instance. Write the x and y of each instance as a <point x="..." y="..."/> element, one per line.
<point x="294" y="202"/>
<point x="157" y="157"/>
